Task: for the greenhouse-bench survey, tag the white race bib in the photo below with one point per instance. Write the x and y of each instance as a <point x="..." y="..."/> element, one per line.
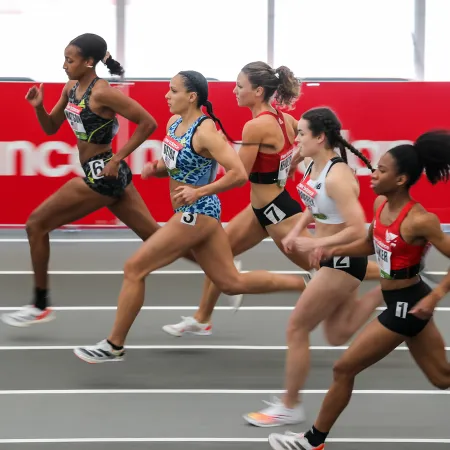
<point x="383" y="254"/>
<point x="307" y="194"/>
<point x="170" y="151"/>
<point x="96" y="167"/>
<point x="283" y="169"/>
<point x="274" y="214"/>
<point x="73" y="114"/>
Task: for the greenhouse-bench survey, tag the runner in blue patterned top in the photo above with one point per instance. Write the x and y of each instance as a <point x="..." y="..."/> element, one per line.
<point x="191" y="151"/>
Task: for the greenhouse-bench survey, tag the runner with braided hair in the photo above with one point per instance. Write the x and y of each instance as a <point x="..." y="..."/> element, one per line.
<point x="330" y="190"/>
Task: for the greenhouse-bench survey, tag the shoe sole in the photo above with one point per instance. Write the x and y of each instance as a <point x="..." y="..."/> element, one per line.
<point x="174" y="333"/>
<point x="270" y="425"/>
<point x="97" y="361"/>
<point x="6" y="320"/>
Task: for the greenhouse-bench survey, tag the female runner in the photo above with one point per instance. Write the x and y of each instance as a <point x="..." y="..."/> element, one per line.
<point x="268" y="157"/>
<point x="192" y="149"/>
<point x="90" y="106"/>
<point x="400" y="235"/>
<point x="330" y="190"/>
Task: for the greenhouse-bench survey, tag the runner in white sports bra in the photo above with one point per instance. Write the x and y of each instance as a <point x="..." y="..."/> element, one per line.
<point x="315" y="197"/>
<point x="330" y="191"/>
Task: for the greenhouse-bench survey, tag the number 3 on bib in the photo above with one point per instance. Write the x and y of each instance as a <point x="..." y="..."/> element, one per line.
<point x="189" y="218"/>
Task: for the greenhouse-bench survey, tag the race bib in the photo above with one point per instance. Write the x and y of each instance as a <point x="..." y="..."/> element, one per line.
<point x="307" y="194"/>
<point x="283" y="169"/>
<point x="96" y="168"/>
<point x="170" y="151"/>
<point x="383" y="255"/>
<point x="73" y="114"/>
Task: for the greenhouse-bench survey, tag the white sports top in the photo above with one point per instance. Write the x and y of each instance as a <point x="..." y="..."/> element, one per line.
<point x="314" y="195"/>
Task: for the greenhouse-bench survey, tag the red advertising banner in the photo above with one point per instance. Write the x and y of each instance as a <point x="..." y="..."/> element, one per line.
<point x="375" y="117"/>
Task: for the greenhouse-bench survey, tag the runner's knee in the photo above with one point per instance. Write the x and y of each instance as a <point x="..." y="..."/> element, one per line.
<point x="35" y="225"/>
<point x="344" y="369"/>
<point x="132" y="270"/>
<point x="336" y="335"/>
<point x="297" y="329"/>
<point x="440" y="381"/>
<point x="229" y="284"/>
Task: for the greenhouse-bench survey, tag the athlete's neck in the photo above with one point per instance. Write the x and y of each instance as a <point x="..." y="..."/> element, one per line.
<point x="321" y="159"/>
<point x="397" y="200"/>
<point x="258" y="109"/>
<point x="190" y="116"/>
<point x="84" y="82"/>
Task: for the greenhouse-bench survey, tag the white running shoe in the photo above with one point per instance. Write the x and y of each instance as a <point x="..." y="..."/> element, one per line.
<point x="28" y="315"/>
<point x="289" y="441"/>
<point x="99" y="353"/>
<point x="188" y="325"/>
<point x="276" y="415"/>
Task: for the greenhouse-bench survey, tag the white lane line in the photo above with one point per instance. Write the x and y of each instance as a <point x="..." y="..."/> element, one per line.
<point x="185" y="347"/>
<point x="158" y="272"/>
<point x="210" y="391"/>
<point x="186" y="308"/>
<point x="218" y="439"/>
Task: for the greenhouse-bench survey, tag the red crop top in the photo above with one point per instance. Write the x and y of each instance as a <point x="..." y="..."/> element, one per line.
<point x="270" y="168"/>
<point x="396" y="258"/>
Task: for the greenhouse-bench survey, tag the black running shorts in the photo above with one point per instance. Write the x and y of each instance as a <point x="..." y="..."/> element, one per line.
<point x="353" y="265"/>
<point x="396" y="316"/>
<point x="280" y="208"/>
<point x="112" y="187"/>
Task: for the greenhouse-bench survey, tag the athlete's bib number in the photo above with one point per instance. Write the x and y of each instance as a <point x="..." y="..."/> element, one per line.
<point x="73" y="114"/>
<point x="96" y="168"/>
<point x="274" y="214"/>
<point x="171" y="148"/>
<point x="189" y="218"/>
<point x="283" y="170"/>
<point x="341" y="262"/>
<point x="383" y="259"/>
<point x="307" y="194"/>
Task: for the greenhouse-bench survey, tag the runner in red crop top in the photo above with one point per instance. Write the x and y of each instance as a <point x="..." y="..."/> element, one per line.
<point x="273" y="168"/>
<point x="397" y="259"/>
<point x="399" y="236"/>
<point x="269" y="158"/>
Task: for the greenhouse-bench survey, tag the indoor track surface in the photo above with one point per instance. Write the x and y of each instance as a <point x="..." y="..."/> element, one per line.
<point x="184" y="393"/>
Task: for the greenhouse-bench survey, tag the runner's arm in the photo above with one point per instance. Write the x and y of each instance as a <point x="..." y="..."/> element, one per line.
<point x="52" y="122"/>
<point x="251" y="134"/>
<point x="208" y="138"/>
<point x="130" y="109"/>
<point x="363" y="246"/>
<point x="428" y="226"/>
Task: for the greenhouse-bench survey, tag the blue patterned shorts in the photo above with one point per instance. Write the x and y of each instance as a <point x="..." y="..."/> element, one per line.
<point x="207" y="206"/>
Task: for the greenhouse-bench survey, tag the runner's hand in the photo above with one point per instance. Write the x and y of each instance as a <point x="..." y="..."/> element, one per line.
<point x="424" y="309"/>
<point x="149" y="170"/>
<point x="304" y="244"/>
<point x="186" y="195"/>
<point x="111" y="170"/>
<point x="35" y="95"/>
<point x="288" y="243"/>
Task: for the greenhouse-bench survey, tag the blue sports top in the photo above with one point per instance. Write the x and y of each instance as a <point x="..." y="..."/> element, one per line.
<point x="182" y="162"/>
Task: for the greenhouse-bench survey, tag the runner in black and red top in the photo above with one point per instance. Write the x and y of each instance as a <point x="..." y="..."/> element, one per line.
<point x="400" y="236"/>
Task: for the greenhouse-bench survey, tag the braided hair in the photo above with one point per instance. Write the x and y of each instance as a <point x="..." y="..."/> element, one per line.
<point x="324" y="120"/>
